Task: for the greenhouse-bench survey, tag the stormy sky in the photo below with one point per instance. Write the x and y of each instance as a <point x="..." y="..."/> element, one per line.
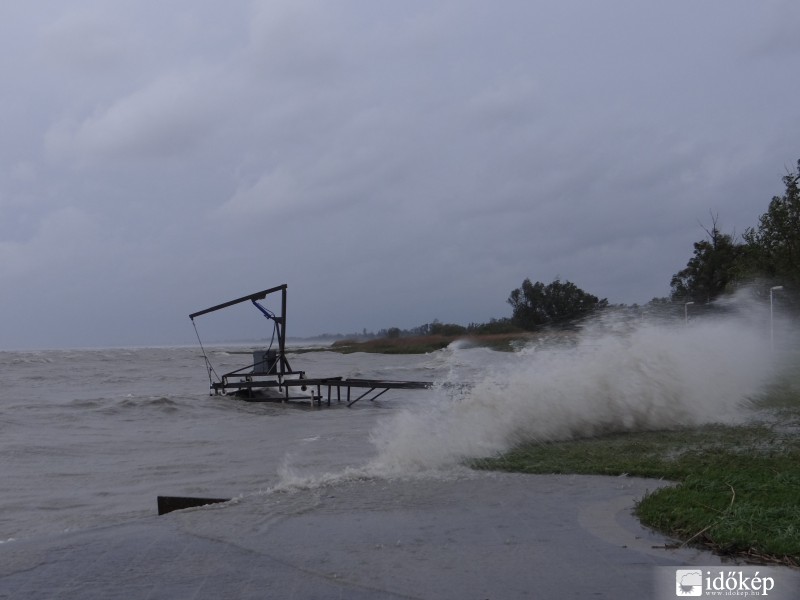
<point x="393" y="162"/>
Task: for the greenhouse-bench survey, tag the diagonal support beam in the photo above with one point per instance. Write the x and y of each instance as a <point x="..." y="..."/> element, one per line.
<point x="256" y="296"/>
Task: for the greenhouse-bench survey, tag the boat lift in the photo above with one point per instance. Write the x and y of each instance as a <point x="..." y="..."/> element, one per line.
<point x="270" y="377"/>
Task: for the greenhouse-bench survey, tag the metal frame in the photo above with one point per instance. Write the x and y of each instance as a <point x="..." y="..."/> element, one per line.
<point x="280" y="325"/>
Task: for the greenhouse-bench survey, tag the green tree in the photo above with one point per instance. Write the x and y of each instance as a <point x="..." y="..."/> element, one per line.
<point x="773" y="247"/>
<point x="393" y="333"/>
<point x="712" y="270"/>
<point x="446" y="329"/>
<point x="537" y="304"/>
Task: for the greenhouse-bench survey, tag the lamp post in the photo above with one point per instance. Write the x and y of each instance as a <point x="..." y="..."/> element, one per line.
<point x="686" y="312"/>
<point x="771" y="324"/>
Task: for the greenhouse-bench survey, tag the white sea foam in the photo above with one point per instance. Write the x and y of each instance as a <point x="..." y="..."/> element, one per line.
<point x="607" y="379"/>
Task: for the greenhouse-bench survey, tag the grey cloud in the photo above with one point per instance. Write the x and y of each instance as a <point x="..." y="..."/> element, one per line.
<point x="84" y="43"/>
<point x="392" y="162"/>
<point x="169" y="116"/>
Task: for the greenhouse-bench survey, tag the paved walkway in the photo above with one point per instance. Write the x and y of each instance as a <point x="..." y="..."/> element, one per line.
<point x="491" y="536"/>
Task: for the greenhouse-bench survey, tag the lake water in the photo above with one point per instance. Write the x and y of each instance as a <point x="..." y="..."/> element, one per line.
<point x="91" y="437"/>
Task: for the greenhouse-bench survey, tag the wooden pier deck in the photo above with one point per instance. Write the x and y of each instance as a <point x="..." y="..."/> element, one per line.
<point x="251" y="387"/>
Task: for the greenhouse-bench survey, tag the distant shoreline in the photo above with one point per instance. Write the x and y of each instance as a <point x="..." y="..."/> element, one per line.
<point x="423" y="344"/>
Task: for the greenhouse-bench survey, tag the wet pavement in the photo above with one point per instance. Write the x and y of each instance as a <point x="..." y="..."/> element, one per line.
<point x="485" y="536"/>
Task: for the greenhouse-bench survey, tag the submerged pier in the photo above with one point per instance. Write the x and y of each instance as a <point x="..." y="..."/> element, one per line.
<point x="251" y="388"/>
<point x="270" y="377"/>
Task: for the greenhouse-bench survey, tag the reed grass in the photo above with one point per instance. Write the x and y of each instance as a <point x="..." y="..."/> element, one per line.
<point x="430" y="343"/>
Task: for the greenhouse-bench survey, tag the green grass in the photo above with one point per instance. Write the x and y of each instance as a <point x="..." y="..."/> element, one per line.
<point x="738" y="490"/>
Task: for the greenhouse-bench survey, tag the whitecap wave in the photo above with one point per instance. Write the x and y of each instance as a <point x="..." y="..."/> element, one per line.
<point x="647" y="378"/>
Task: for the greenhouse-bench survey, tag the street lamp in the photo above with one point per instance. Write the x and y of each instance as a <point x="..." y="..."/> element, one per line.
<point x="771" y="324"/>
<point x="686" y="312"/>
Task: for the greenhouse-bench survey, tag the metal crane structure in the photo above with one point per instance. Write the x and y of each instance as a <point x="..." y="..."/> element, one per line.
<point x="270" y="377"/>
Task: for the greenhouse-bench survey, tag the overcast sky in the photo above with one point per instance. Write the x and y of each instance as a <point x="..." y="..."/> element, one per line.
<point x="393" y="162"/>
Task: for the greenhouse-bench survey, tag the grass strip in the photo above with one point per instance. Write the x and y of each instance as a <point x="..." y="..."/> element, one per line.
<point x="405" y="345"/>
<point x="738" y="490"/>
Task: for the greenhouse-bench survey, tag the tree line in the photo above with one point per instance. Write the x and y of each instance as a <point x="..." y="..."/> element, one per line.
<point x="764" y="257"/>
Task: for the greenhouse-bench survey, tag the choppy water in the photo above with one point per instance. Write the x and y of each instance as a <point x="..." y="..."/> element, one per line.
<point x="91" y="437"/>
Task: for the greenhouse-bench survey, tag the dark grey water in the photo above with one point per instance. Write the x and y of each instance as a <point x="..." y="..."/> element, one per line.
<point x="91" y="437"/>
